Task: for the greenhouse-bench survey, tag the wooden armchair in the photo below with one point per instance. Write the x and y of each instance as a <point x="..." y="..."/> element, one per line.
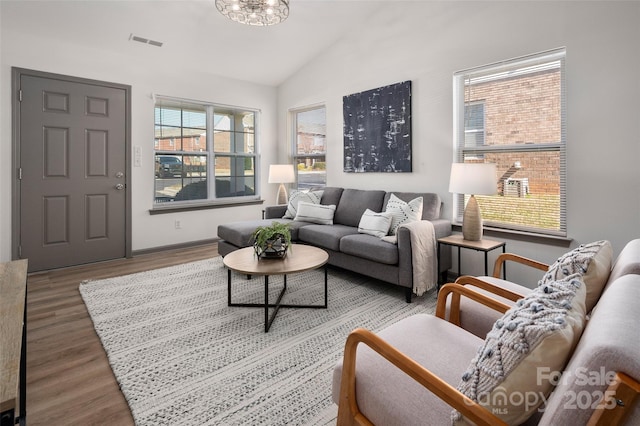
<point x="477" y="318"/>
<point x="349" y="412"/>
<point x="407" y="374"/>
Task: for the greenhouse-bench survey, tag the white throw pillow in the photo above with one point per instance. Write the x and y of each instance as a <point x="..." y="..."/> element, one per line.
<point x="296" y="196"/>
<point x="592" y="260"/>
<point x="376" y="224"/>
<point x="315" y="213"/>
<point x="403" y="212"/>
<point x="515" y="368"/>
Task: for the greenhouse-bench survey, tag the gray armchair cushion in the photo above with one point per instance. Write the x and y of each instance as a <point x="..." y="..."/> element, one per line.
<point x="370" y="247"/>
<point x="353" y="204"/>
<point x="325" y="236"/>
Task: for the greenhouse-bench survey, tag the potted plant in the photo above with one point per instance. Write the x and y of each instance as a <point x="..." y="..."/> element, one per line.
<point x="272" y="241"/>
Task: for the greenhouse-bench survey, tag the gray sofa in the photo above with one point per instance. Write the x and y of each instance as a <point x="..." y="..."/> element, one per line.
<point x="348" y="249"/>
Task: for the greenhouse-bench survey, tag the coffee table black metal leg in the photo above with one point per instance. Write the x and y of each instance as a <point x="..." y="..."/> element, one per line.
<point x="326" y="288"/>
<point x="267" y="323"/>
<point x="228" y="287"/>
<point x="268" y="320"/>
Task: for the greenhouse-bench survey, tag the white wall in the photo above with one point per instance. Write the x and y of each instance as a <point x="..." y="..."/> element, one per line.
<point x="145" y="77"/>
<point x="426" y="42"/>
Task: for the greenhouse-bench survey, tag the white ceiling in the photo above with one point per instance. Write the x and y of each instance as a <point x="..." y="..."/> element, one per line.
<point x="194" y="33"/>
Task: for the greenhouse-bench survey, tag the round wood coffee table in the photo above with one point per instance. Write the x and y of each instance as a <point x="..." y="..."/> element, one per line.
<point x="300" y="258"/>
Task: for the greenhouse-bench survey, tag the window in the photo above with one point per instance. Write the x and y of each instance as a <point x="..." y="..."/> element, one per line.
<point x="196" y="140"/>
<point x="513" y="114"/>
<point x="309" y="146"/>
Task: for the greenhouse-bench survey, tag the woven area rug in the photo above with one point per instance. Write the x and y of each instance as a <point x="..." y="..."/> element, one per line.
<point x="182" y="356"/>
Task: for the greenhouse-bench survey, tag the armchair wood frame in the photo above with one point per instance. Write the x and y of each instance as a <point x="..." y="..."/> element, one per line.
<point x="502" y="258"/>
<point x="348" y="410"/>
<point x="454" y="315"/>
<point x="618" y="401"/>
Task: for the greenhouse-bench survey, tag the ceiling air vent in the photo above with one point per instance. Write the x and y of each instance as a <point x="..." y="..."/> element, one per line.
<point x="145" y="40"/>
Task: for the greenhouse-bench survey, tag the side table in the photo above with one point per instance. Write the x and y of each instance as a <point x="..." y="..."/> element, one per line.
<point x="484" y="245"/>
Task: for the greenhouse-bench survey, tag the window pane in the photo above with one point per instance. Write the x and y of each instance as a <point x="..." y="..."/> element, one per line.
<point x="235" y="176"/>
<point x="180" y="178"/>
<point x="310" y="147"/>
<point x="312" y="172"/>
<point x="184" y="151"/>
<point x="513" y="117"/>
<point x="311" y="132"/>
<point x="528" y="190"/>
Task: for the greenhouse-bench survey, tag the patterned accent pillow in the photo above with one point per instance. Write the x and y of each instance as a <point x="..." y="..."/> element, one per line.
<point x="315" y="213"/>
<point x="376" y="224"/>
<point x="593" y="261"/>
<point x="515" y="368"/>
<point x="403" y="212"/>
<point x="296" y="196"/>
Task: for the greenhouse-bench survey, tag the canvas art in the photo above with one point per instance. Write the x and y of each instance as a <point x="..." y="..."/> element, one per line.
<point x="377" y="130"/>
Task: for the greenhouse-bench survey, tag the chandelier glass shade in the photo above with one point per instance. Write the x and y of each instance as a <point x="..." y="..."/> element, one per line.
<point x="254" y="12"/>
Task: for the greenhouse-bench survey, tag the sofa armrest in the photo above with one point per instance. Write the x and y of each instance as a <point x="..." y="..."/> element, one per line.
<point x="275" y="212"/>
<point x="348" y="410"/>
<point x="458" y="290"/>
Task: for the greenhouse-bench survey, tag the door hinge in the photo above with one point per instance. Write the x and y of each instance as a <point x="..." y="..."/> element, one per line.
<point x="20" y="252"/>
<point x="20" y="95"/>
<point x="20" y="173"/>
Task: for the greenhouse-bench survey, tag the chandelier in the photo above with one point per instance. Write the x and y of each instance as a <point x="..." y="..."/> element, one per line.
<point x="254" y="12"/>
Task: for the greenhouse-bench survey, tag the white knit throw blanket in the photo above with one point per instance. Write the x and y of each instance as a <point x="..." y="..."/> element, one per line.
<point x="423" y="255"/>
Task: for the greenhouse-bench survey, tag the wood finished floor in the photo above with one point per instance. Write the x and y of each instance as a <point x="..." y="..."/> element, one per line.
<point x="69" y="380"/>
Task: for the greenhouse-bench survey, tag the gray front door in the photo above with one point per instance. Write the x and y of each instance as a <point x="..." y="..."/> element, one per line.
<point x="72" y="167"/>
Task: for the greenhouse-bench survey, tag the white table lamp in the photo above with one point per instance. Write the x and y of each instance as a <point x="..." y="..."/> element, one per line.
<point x="473" y="179"/>
<point x="281" y="173"/>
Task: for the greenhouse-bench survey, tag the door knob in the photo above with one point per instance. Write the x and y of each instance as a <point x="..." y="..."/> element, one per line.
<point x="120" y="187"/>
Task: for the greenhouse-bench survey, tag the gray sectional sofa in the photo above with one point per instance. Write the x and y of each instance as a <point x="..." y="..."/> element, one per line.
<point x="347" y="248"/>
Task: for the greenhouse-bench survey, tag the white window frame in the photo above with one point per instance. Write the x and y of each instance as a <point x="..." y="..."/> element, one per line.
<point x="213" y="199"/>
<point x="293" y="114"/>
<point x="499" y="70"/>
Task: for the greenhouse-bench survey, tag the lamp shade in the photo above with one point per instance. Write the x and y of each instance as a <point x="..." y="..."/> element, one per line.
<point x="473" y="178"/>
<point x="281" y="173"/>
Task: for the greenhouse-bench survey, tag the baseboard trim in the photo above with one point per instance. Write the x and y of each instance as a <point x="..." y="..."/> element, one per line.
<point x="174" y="246"/>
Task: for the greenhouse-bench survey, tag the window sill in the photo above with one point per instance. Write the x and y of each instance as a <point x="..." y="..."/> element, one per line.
<point x="530" y="237"/>
<point x="205" y="205"/>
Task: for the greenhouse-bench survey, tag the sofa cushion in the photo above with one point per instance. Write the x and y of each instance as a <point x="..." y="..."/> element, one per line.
<point x="297" y="196"/>
<point x="592" y="260"/>
<point x="331" y="195"/>
<point x="431" y="203"/>
<point x="370" y="247"/>
<point x="325" y="236"/>
<point x="536" y="335"/>
<point x="403" y="212"/>
<point x="354" y="202"/>
<point x="315" y="213"/>
<point x="376" y="224"/>
<point x="240" y="233"/>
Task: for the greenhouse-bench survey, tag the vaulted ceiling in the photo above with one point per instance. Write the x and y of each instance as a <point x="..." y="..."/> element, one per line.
<point x="193" y="33"/>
